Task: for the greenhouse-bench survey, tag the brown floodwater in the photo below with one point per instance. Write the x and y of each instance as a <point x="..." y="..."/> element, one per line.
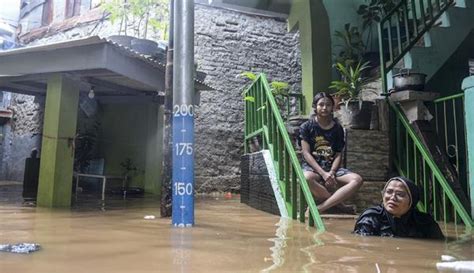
<point x="228" y="237"/>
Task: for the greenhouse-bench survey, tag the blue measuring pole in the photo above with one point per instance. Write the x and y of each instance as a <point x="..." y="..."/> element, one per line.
<point x="183" y="115"/>
<point x="183" y="167"/>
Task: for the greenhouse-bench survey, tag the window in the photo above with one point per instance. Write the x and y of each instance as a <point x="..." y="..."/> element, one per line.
<point x="47" y="16"/>
<point x="73" y="8"/>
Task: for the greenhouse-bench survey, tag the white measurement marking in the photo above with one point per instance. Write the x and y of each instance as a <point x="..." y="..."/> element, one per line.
<point x="182" y="188"/>
<point x="183" y="110"/>
<point x="182" y="207"/>
<point x="183" y="168"/>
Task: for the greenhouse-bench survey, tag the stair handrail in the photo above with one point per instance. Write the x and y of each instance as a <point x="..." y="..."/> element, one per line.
<point x="436" y="174"/>
<point x="453" y="131"/>
<point x="263" y="118"/>
<point x="419" y="17"/>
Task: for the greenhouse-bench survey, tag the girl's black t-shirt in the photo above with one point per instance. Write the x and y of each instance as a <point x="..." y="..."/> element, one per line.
<point x="324" y="144"/>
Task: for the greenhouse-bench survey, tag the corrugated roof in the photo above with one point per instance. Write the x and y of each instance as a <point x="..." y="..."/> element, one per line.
<point x="91" y="41"/>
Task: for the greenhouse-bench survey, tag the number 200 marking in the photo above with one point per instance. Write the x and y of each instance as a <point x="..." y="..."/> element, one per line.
<point x="183" y="110"/>
<point x="181" y="188"/>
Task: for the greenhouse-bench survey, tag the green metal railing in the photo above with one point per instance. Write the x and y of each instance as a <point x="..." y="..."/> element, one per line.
<point x="403" y="27"/>
<point x="450" y="126"/>
<point x="412" y="159"/>
<point x="264" y="122"/>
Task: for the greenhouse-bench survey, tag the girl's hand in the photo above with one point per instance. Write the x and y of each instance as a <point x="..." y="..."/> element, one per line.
<point x="330" y="179"/>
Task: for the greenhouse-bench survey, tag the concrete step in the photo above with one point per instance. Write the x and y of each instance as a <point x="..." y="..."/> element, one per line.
<point x="368" y="195"/>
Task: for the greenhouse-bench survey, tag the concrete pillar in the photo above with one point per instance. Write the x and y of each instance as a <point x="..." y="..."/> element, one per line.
<point x="154" y="149"/>
<point x="468" y="88"/>
<point x="311" y="18"/>
<point x="57" y="150"/>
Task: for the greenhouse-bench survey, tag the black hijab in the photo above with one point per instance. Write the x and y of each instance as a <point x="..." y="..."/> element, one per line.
<point x="378" y="221"/>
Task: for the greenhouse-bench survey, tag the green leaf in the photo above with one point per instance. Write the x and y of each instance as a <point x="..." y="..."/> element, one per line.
<point x="249" y="75"/>
<point x="249" y="98"/>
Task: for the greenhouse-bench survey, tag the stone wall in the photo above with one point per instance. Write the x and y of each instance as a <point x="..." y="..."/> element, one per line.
<point x="367" y="153"/>
<point x="228" y="43"/>
<point x="21" y="134"/>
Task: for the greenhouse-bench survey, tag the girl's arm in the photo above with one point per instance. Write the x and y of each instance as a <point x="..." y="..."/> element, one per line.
<point x="336" y="163"/>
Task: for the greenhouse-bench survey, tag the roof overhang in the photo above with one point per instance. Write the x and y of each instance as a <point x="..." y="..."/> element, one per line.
<point x="277" y="8"/>
<point x="109" y="68"/>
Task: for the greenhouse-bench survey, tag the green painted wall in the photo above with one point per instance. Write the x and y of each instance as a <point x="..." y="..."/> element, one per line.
<point x="447" y="81"/>
<point x="309" y="16"/>
<point x="57" y="154"/>
<point x="317" y="20"/>
<point x="468" y="88"/>
<point x="124" y="135"/>
<point x="154" y="149"/>
<point x="341" y="12"/>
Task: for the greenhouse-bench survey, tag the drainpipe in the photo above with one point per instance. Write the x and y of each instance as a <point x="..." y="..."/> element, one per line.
<point x="183" y="115"/>
<point x="165" y="207"/>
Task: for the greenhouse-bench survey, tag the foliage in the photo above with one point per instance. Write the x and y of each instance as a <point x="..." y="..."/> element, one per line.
<point x="84" y="144"/>
<point x="352" y="45"/>
<point x="128" y="167"/>
<point x="279" y="88"/>
<point x="140" y="14"/>
<point x="350" y="85"/>
<point x="249" y="75"/>
<point x="373" y="12"/>
<point x="280" y="91"/>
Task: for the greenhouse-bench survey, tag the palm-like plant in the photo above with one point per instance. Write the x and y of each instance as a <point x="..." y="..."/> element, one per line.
<point x="350" y="85"/>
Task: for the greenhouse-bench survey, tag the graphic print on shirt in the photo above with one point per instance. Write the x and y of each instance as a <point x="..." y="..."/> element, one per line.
<point x="323" y="152"/>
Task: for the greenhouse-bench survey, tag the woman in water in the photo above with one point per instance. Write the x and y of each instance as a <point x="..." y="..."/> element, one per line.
<point x="398" y="216"/>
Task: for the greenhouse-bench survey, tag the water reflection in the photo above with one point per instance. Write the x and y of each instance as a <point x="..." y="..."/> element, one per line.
<point x="337" y="250"/>
<point x="181" y="244"/>
<point x="228" y="237"/>
<point x="278" y="250"/>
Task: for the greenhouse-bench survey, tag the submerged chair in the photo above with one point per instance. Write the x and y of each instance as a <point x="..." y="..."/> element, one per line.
<point x="95" y="170"/>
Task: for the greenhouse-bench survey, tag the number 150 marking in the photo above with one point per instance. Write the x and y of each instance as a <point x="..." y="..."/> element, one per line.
<point x="181" y="188"/>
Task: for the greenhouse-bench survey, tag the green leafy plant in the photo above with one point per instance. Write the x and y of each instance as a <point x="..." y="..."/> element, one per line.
<point x="372" y="13"/>
<point x="350" y="39"/>
<point x="128" y="168"/>
<point x="350" y="86"/>
<point x="278" y="88"/>
<point x="280" y="91"/>
<point x="84" y="143"/>
<point x="140" y="14"/>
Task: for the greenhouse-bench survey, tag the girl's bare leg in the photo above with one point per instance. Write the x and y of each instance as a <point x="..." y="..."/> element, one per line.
<point x="350" y="184"/>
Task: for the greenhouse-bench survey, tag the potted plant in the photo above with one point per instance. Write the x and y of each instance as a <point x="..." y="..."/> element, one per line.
<point x="355" y="113"/>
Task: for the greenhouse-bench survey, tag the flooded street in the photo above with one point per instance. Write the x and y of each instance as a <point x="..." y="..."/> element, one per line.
<point x="228" y="237"/>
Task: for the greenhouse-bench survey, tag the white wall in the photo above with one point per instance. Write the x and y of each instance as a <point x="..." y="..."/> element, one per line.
<point x="9" y="15"/>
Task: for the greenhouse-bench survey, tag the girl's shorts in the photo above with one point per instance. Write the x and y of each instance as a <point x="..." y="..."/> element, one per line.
<point x="340" y="172"/>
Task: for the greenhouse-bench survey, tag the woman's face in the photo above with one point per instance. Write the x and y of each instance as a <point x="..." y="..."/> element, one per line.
<point x="396" y="199"/>
<point x="324" y="107"/>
